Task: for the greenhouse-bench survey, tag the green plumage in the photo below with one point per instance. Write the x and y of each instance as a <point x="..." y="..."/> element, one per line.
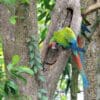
<point x="64" y="36"/>
<point x="67" y="38"/>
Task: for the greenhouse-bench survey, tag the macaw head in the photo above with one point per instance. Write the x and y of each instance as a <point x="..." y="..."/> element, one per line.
<point x="53" y="45"/>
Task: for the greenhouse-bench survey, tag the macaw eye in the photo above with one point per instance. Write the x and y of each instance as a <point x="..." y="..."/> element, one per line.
<point x="70" y="43"/>
<point x="57" y="43"/>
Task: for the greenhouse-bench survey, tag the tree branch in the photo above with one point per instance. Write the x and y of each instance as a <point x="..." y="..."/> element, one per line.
<point x="92" y="8"/>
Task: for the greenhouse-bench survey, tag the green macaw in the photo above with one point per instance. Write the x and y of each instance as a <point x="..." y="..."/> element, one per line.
<point x="66" y="38"/>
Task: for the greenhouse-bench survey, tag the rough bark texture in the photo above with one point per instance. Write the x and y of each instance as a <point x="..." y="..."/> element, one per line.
<point x="92" y="8"/>
<point x="65" y="13"/>
<point x="91" y="61"/>
<point x="7" y="32"/>
<point x="98" y="63"/>
<point x="15" y="37"/>
<point x="91" y="57"/>
<point x="24" y="29"/>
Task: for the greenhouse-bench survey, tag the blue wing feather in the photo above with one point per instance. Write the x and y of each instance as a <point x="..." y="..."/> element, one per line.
<point x="84" y="28"/>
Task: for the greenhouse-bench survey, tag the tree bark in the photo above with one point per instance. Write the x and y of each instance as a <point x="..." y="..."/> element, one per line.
<point x="91" y="63"/>
<point x="90" y="68"/>
<point x="15" y="36"/>
<point x="92" y="8"/>
<point x="7" y="33"/>
<point x="98" y="63"/>
<point x="65" y="13"/>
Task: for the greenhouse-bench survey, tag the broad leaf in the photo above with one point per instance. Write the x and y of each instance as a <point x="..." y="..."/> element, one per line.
<point x="11" y="87"/>
<point x="15" y="59"/>
<point x="24" y="69"/>
<point x="9" y="2"/>
<point x="20" y="77"/>
<point x="13" y="20"/>
<point x="44" y="97"/>
<point x="43" y="91"/>
<point x="9" y="67"/>
<point x="42" y="78"/>
<point x="25" y="1"/>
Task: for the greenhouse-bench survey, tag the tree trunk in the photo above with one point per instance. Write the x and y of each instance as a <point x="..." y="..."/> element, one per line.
<point x="15" y="36"/>
<point x="65" y="13"/>
<point x="91" y="63"/>
<point x="98" y="63"/>
<point x="91" y="58"/>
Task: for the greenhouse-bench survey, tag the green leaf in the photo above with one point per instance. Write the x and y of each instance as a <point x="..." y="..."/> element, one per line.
<point x="63" y="97"/>
<point x="63" y="85"/>
<point x="28" y="40"/>
<point x="41" y="16"/>
<point x="42" y="78"/>
<point x="43" y="91"/>
<point x="38" y="60"/>
<point x="25" y="1"/>
<point x="24" y="69"/>
<point x="2" y="92"/>
<point x="15" y="59"/>
<point x="39" y="65"/>
<point x="11" y="87"/>
<point x="35" y="69"/>
<point x="47" y="18"/>
<point x="43" y="34"/>
<point x="36" y="46"/>
<point x="44" y="97"/>
<point x="39" y="95"/>
<point x="2" y="74"/>
<point x="9" y="2"/>
<point x="13" y="20"/>
<point x="20" y="77"/>
<point x="31" y="48"/>
<point x="10" y="67"/>
<point x="32" y="56"/>
<point x="31" y="63"/>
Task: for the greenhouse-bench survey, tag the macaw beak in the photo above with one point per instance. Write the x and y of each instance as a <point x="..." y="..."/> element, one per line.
<point x="52" y="45"/>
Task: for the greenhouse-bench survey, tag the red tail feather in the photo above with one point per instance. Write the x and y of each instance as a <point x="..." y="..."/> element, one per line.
<point x="77" y="61"/>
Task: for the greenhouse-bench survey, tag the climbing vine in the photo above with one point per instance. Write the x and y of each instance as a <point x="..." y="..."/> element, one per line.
<point x="36" y="64"/>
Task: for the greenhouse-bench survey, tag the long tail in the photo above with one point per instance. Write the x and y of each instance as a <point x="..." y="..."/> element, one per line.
<point x="82" y="57"/>
<point x="77" y="59"/>
<point x="84" y="78"/>
<point x="80" y="42"/>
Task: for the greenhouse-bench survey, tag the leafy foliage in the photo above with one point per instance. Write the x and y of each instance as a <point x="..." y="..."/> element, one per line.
<point x="7" y="85"/>
<point x="36" y="64"/>
<point x="34" y="54"/>
<point x="13" y="2"/>
<point x="9" y="2"/>
<point x="13" y="20"/>
<point x="44" y="15"/>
